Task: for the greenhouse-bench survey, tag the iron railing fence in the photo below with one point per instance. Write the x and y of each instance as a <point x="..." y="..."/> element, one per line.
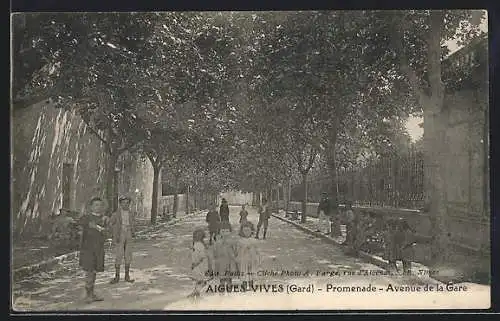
<point x="396" y="181"/>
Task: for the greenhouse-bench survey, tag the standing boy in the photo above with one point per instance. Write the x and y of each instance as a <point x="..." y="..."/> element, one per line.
<point x="92" y="246"/>
<point x="122" y="224"/>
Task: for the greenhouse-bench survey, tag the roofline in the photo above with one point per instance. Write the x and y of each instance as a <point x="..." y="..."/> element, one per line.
<point x="475" y="42"/>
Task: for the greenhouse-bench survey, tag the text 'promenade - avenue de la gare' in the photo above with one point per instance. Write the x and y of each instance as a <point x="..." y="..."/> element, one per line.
<point x="239" y="160"/>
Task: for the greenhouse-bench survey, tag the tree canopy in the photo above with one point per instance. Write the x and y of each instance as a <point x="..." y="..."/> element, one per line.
<point x="241" y="99"/>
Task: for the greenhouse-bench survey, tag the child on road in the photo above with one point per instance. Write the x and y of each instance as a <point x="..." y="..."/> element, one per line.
<point x="248" y="254"/>
<point x="200" y="262"/>
<point x="243" y="215"/>
<point x="225" y="255"/>
<point x="92" y="246"/>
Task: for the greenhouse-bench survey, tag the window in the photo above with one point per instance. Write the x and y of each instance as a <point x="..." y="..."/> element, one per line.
<point x="68" y="171"/>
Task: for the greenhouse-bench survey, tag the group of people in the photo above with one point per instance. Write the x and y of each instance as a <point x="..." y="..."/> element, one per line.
<point x="230" y="256"/>
<point x="328" y="218"/>
<point x="95" y="228"/>
<point x="396" y="234"/>
<point x="226" y="256"/>
<point x="218" y="220"/>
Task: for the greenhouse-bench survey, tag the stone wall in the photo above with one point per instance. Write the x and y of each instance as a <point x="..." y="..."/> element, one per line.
<point x="44" y="141"/>
<point x="466" y="168"/>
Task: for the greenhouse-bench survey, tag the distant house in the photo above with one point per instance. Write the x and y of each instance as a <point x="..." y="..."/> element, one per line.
<point x="467" y="68"/>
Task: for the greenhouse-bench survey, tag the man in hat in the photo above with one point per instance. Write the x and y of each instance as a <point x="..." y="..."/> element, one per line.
<point x="122" y="224"/>
<point x="324" y="209"/>
<point x="264" y="215"/>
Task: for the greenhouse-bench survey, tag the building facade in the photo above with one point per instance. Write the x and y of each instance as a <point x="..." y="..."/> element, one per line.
<point x="466" y="145"/>
<point x="57" y="163"/>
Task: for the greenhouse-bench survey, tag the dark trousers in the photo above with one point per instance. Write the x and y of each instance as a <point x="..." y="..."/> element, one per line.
<point x="262" y="222"/>
<point x="90" y="278"/>
<point x="406" y="265"/>
<point x="350" y="234"/>
<point x="213" y="236"/>
<point x="335" y="226"/>
<point x="224" y="219"/>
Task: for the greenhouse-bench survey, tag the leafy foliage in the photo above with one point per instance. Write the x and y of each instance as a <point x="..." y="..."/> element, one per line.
<point x="238" y="99"/>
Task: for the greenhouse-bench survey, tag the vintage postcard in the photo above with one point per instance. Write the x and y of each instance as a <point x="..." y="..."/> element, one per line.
<point x="267" y="160"/>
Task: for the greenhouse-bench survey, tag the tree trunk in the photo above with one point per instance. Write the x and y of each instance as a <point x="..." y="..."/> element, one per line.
<point x="176" y="195"/>
<point x="278" y="198"/>
<point x="187" y="200"/>
<point x="116" y="184"/>
<point x="110" y="182"/>
<point x="195" y="199"/>
<point x="154" y="197"/>
<point x="333" y="186"/>
<point x="304" y="200"/>
<point x="288" y="194"/>
<point x="332" y="168"/>
<point x="175" y="206"/>
<point x="435" y="120"/>
<point x="434" y="138"/>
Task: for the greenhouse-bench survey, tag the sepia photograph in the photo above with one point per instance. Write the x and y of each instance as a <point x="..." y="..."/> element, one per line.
<point x="249" y="161"/>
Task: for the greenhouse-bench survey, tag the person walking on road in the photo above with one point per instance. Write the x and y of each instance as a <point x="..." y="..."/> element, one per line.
<point x="122" y="225"/>
<point x="224" y="212"/>
<point x="324" y="208"/>
<point x="213" y="220"/>
<point x="91" y="258"/>
<point x="264" y="215"/>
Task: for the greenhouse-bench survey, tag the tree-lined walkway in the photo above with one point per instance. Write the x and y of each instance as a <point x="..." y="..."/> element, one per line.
<point x="161" y="273"/>
<point x="247" y="100"/>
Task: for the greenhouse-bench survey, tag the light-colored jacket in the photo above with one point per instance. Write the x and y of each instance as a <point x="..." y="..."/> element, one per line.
<point x="115" y="224"/>
<point x="200" y="262"/>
